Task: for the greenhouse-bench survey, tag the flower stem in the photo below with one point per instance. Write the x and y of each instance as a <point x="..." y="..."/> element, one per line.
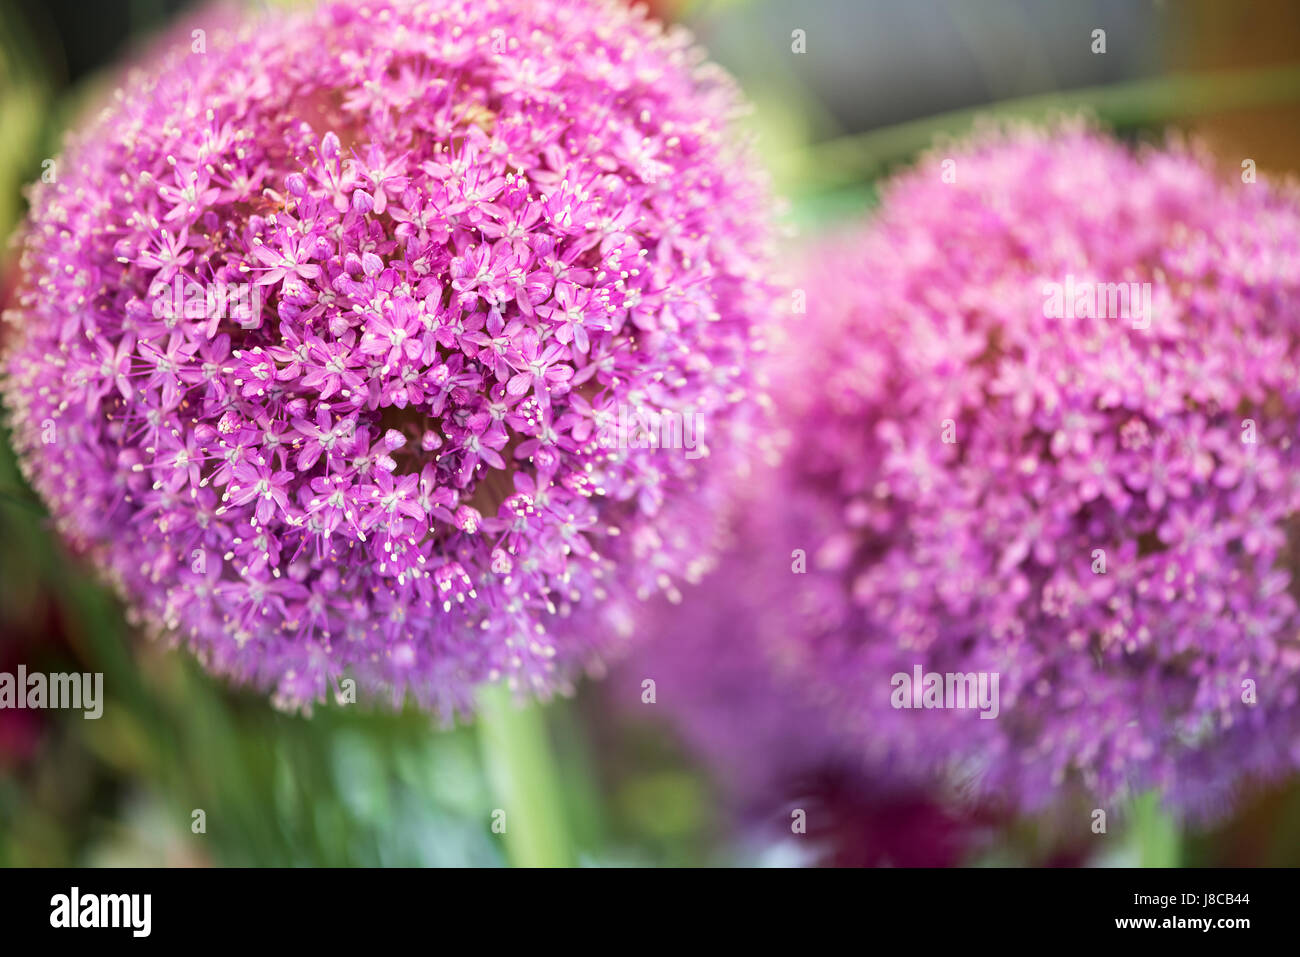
<point x="1157" y="833"/>
<point x="1155" y="100"/>
<point x="521" y="768"/>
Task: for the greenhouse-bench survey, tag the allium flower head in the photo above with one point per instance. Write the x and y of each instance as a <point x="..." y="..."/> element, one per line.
<point x="326" y="319"/>
<point x="997" y="466"/>
<point x="777" y="756"/>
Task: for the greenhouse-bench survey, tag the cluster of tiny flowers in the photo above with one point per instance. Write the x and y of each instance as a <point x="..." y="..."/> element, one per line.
<point x="1100" y="509"/>
<point x="463" y="233"/>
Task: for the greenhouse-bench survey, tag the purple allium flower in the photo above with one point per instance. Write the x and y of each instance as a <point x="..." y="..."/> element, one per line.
<point x="790" y="778"/>
<point x="1095" y="502"/>
<point x="316" y="319"/>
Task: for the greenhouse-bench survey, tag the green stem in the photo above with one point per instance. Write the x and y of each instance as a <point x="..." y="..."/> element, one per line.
<point x="521" y="768"/>
<point x="1137" y="103"/>
<point x="1156" y="832"/>
<point x="22" y="501"/>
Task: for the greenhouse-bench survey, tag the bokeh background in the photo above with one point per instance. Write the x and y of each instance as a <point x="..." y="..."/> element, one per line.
<point x="604" y="779"/>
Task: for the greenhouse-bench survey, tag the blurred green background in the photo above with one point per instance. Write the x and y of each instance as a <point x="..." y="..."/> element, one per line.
<point x="878" y="82"/>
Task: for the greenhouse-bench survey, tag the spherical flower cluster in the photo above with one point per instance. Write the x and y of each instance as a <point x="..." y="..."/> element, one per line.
<point x="1047" y="432"/>
<point x="328" y="321"/>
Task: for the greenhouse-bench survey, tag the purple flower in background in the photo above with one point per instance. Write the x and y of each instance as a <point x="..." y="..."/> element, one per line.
<point x="433" y="234"/>
<point x="1042" y="425"/>
<point x="791" y="780"/>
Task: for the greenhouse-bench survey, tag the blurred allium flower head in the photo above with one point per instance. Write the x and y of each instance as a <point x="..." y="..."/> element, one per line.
<point x="328" y="318"/>
<point x="775" y="753"/>
<point x="1099" y="507"/>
